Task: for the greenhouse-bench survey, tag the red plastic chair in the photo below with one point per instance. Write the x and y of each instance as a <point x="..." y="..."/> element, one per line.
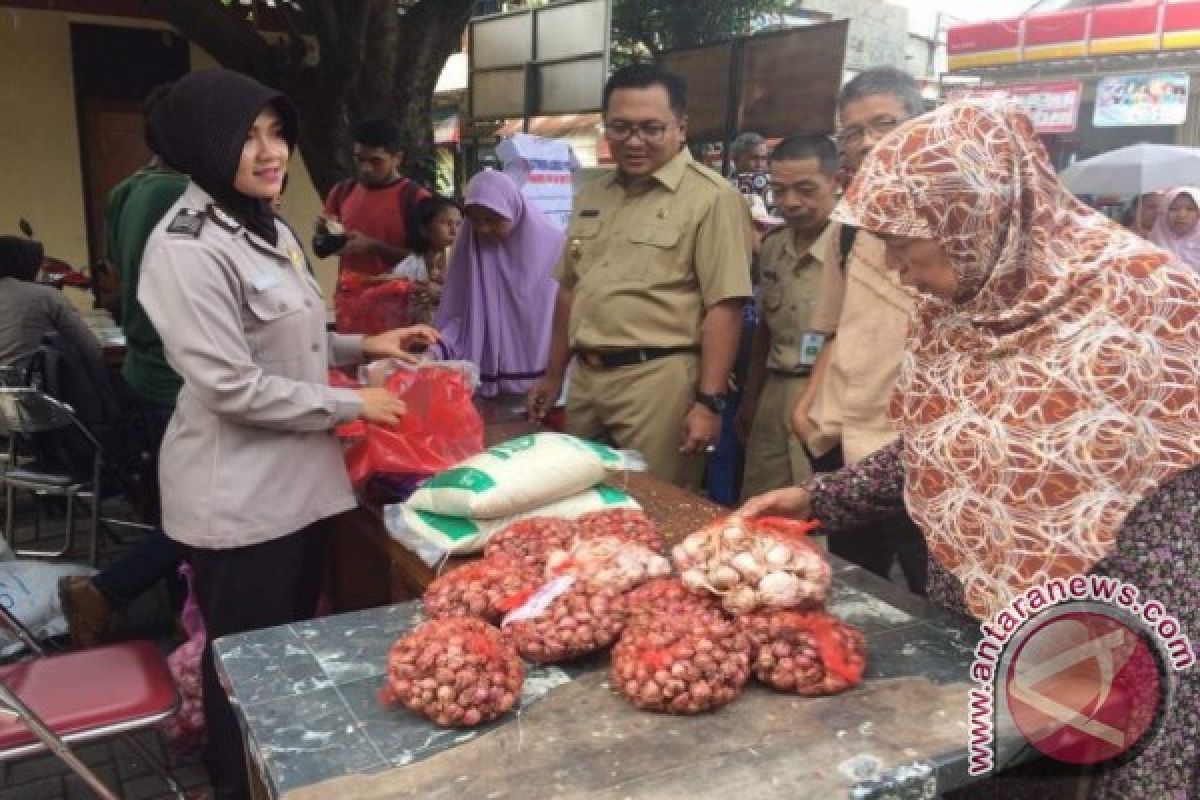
<point x="53" y="701"/>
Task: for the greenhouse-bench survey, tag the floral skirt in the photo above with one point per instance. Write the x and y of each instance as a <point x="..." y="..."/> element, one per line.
<point x="1158" y="551"/>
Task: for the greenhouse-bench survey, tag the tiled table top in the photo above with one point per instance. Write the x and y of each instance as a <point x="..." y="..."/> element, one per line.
<point x="308" y="694"/>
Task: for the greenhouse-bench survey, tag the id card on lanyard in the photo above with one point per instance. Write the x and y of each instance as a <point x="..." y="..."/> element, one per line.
<point x="811" y="343"/>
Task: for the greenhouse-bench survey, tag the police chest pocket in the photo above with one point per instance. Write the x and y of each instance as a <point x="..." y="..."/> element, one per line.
<point x="660" y="236"/>
<point x="274" y="323"/>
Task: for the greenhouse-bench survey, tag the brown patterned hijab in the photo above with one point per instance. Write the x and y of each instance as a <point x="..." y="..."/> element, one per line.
<point x="1060" y="387"/>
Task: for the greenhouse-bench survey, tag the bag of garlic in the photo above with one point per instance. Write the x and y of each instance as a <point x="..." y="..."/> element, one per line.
<point x="608" y="561"/>
<point x="681" y="665"/>
<point x="755" y="563"/>
<point x="458" y="672"/>
<point x="433" y="536"/>
<point x="518" y="476"/>
<point x="805" y="652"/>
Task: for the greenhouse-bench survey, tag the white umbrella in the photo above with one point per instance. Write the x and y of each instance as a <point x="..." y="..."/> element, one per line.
<point x="1135" y="169"/>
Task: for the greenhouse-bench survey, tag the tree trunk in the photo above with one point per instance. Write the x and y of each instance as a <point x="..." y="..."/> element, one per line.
<point x="373" y="57"/>
<point x="429" y="33"/>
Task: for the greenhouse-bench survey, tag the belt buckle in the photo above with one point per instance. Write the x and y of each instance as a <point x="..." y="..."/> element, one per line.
<point x="591" y="360"/>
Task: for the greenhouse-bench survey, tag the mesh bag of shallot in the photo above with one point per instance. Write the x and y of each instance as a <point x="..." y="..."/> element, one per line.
<point x="488" y="588"/>
<point x="566" y="619"/>
<point x="457" y="672"/>
<point x="668" y="597"/>
<point x="530" y="540"/>
<point x="629" y="524"/>
<point x="686" y="666"/>
<point x="755" y="563"/>
<point x="608" y="561"/>
<point x="805" y="652"/>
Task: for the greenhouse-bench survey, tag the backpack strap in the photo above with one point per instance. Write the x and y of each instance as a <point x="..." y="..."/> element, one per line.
<point x="846" y="243"/>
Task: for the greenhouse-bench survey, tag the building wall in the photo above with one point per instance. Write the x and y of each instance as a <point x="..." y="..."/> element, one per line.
<point x="41" y="176"/>
<point x="878" y="33"/>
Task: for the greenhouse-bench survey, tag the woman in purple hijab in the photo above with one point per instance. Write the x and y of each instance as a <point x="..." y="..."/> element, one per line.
<point x="498" y="301"/>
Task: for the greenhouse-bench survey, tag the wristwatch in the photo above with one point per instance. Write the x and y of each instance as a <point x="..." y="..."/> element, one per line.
<point x="713" y="402"/>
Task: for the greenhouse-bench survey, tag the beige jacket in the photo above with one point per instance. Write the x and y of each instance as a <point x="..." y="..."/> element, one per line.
<point x="871" y="310"/>
<point x="250" y="454"/>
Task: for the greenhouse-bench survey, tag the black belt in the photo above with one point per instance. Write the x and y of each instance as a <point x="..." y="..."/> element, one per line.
<point x="802" y="372"/>
<point x="611" y="359"/>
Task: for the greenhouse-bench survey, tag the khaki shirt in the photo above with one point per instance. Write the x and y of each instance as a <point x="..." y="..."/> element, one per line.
<point x="790" y="285"/>
<point x="646" y="260"/>
<point x="250" y="453"/>
<point x="872" y="311"/>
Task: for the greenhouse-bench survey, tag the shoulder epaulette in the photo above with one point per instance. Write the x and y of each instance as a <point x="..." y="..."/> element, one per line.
<point x="188" y="221"/>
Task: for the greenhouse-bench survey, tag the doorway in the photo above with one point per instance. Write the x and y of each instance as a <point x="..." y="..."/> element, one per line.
<point x="115" y="69"/>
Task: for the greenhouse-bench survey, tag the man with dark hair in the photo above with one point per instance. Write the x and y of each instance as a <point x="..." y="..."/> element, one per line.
<point x="372" y="208"/>
<point x="793" y="263"/>
<point x="656" y="268"/>
<point x="843" y="415"/>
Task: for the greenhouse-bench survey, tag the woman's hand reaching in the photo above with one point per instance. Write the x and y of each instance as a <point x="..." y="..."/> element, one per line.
<point x="380" y="406"/>
<point x="400" y="343"/>
<point x="791" y="502"/>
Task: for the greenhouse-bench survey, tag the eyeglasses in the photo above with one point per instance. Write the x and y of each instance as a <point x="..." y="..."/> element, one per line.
<point x="881" y="125"/>
<point x="648" y="132"/>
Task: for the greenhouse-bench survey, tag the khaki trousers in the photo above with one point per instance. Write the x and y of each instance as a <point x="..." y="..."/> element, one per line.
<point x="640" y="407"/>
<point x="775" y="458"/>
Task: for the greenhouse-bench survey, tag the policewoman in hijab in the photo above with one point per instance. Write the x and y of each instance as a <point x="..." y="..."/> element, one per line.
<point x="249" y="468"/>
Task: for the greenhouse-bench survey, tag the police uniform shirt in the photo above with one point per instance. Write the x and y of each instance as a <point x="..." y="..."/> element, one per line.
<point x="249" y="454"/>
<point x="791" y="283"/>
<point x="646" y="259"/>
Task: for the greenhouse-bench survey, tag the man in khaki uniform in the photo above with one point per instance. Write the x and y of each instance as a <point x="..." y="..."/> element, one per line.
<point x="652" y="280"/>
<point x="793" y="260"/>
<point x="846" y="403"/>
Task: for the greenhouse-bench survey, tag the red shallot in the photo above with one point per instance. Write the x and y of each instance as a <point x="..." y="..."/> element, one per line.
<point x="457" y="672"/>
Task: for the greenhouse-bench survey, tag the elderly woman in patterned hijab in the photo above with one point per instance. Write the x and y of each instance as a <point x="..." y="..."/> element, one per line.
<point x="1048" y="403"/>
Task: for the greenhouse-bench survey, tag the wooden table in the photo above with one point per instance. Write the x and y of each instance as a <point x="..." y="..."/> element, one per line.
<point x="369" y="568"/>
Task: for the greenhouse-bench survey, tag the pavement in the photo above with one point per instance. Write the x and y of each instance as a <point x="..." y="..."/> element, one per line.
<point x="119" y="766"/>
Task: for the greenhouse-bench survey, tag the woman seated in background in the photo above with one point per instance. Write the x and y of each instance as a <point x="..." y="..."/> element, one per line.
<point x="498" y="301"/>
<point x="1048" y="406"/>
<point x="28" y="310"/>
<point x="1177" y="228"/>
<point x="432" y="228"/>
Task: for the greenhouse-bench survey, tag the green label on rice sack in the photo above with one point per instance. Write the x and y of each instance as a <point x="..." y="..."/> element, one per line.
<point x="458" y="535"/>
<point x="466" y="478"/>
<point x="517" y="476"/>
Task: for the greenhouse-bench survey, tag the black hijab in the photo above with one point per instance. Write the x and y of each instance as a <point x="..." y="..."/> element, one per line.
<point x="200" y="126"/>
<point x="20" y="258"/>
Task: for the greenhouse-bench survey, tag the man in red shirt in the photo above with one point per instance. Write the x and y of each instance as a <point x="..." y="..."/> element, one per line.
<point x="372" y="208"/>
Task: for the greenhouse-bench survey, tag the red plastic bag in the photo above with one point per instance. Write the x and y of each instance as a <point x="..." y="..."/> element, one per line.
<point x="363" y="306"/>
<point x="440" y="427"/>
<point x="184" y="730"/>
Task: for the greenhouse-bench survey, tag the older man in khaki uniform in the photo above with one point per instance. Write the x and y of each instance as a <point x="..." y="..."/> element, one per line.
<point x="794" y="261"/>
<point x="656" y="268"/>
<point x="846" y="404"/>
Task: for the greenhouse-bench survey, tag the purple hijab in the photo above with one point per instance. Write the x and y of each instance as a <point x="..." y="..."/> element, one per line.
<point x="1186" y="247"/>
<point x="498" y="300"/>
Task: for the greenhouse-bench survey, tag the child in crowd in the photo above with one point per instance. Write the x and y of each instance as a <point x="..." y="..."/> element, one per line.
<point x="432" y="228"/>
